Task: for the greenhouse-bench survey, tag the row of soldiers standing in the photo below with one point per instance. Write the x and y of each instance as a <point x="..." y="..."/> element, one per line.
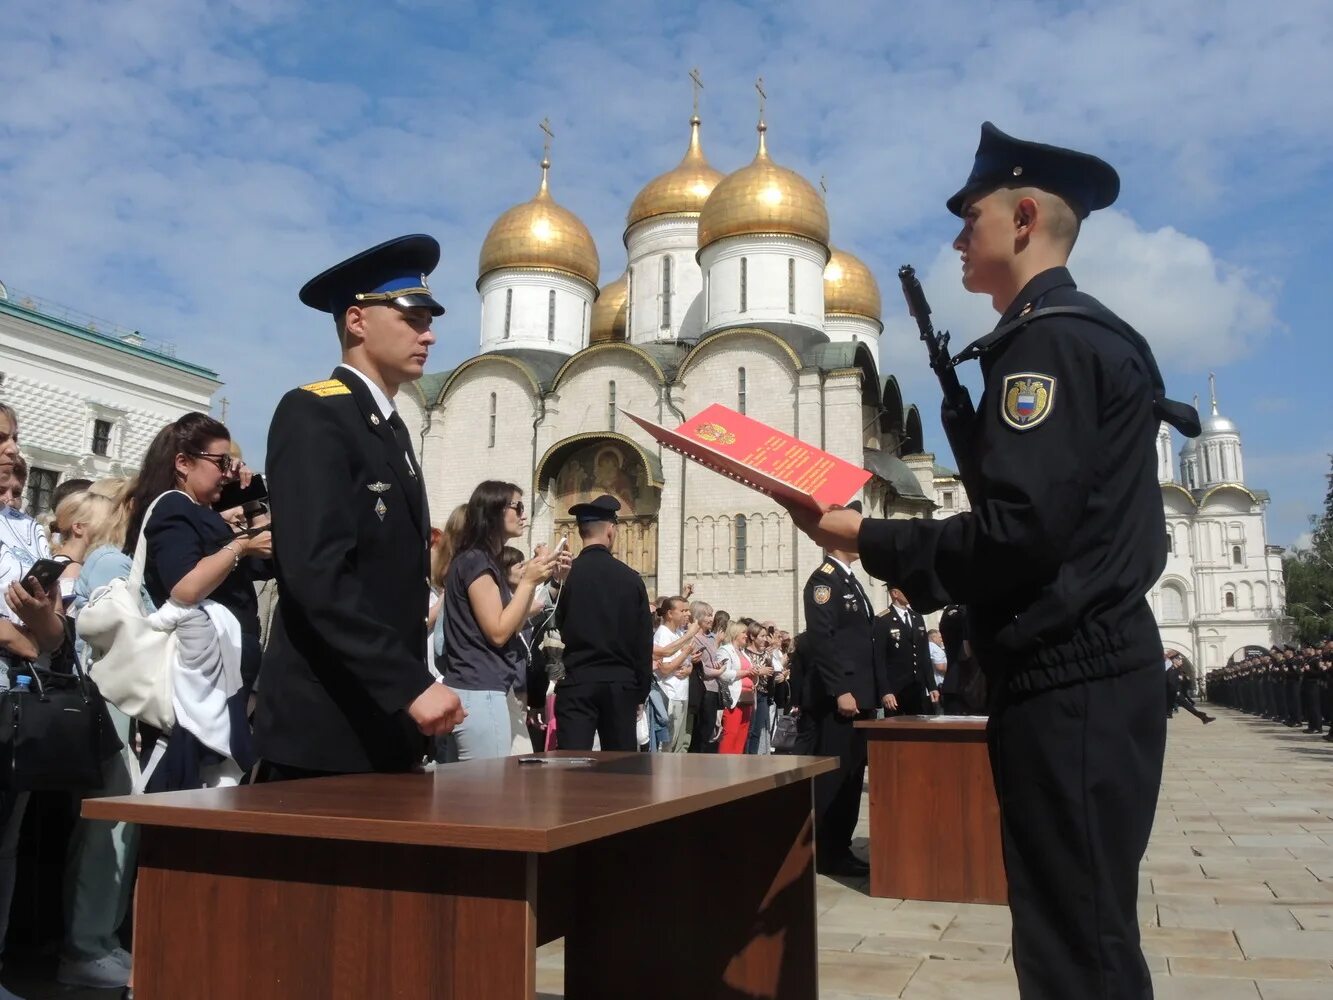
<point x="1286" y="684"/>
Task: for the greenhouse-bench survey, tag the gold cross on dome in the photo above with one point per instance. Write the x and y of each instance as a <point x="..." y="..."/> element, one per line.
<point x="545" y="126"/>
<point x="763" y="96"/>
<point x="696" y="84"/>
<point x="823" y="184"/>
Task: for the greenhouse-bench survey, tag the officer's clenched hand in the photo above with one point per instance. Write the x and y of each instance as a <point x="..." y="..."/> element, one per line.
<point x="437" y="710"/>
<point x="891" y="702"/>
<point x="847" y="704"/>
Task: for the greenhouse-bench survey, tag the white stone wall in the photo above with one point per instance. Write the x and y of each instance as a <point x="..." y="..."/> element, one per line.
<point x="529" y="311"/>
<point x="584" y="395"/>
<point x="60" y="384"/>
<point x="459" y="450"/>
<point x="766" y="281"/>
<point x="649" y="244"/>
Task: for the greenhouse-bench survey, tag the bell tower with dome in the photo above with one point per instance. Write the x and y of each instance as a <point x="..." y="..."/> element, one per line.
<point x="664" y="283"/>
<point x="537" y="275"/>
<point x="852" y="309"/>
<point x="763" y="248"/>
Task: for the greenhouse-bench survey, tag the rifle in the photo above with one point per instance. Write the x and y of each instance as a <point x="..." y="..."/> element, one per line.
<point x="956" y="411"/>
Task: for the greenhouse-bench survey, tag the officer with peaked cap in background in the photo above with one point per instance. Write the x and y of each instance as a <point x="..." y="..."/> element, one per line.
<point x="1054" y="561"/>
<point x="344" y="686"/>
<point x="607" y="629"/>
<point x="838" y="684"/>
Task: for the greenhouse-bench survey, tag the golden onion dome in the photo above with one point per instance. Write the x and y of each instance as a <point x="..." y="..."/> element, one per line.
<point x="763" y="198"/>
<point x="680" y="191"/>
<point x="609" y="313"/>
<point x="540" y="233"/>
<point x="849" y="287"/>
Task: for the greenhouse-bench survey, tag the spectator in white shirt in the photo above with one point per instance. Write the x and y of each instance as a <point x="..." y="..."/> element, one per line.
<point x="938" y="658"/>
<point x="673" y="663"/>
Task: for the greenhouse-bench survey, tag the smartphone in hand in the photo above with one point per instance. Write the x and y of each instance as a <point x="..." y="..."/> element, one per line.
<point x="46" y="572"/>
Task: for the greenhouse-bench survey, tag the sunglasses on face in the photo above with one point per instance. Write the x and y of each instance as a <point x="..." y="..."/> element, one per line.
<point x="225" y="463"/>
<point x="516" y="507"/>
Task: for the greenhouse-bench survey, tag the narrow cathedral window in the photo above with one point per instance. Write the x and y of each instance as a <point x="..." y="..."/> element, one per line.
<point x="550" y="315"/>
<point x="791" y="284"/>
<point x="740" y="390"/>
<point x="509" y="308"/>
<point x="492" y="433"/>
<point x="629" y="302"/>
<point x="1170" y="543"/>
<point x="583" y="324"/>
<point x="666" y="293"/>
<point x="1236" y="556"/>
<point x="744" y="291"/>
<point x="1229" y="599"/>
<point x="740" y="543"/>
<point x="611" y="407"/>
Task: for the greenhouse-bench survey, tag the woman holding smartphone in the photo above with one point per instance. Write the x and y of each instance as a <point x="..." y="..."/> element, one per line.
<point x="738" y="673"/>
<point x="483" y="616"/>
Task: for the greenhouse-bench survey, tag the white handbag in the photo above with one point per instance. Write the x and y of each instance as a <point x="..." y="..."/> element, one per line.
<point x="131" y="661"/>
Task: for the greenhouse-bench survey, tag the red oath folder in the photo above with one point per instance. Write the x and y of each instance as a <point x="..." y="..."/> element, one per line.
<point x="761" y="457"/>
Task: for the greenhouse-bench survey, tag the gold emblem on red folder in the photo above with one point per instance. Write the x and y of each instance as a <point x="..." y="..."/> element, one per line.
<point x="715" y="434"/>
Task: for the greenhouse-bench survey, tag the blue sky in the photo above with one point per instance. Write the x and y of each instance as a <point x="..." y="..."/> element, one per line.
<point x="183" y="168"/>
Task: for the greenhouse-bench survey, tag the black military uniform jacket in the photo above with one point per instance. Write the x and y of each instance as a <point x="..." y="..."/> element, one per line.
<point x="347" y="651"/>
<point x="605" y="622"/>
<point x="836" y="653"/>
<point x="902" y="652"/>
<point x="1067" y="535"/>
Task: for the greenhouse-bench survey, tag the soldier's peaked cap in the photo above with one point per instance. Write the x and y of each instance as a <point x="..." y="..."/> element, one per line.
<point x="392" y="272"/>
<point x="604" y="508"/>
<point x="1085" y="181"/>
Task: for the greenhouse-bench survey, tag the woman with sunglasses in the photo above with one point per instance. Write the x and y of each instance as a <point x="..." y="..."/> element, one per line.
<point x="195" y="556"/>
<point x="484" y="660"/>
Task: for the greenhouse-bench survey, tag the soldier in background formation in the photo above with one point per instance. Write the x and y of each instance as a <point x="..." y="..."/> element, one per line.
<point x="1287" y="685"/>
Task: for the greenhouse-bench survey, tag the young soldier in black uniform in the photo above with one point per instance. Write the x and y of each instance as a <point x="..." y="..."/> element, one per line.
<point x="1064" y="540"/>
<point x="837" y="686"/>
<point x="344" y="686"/>
<point x="607" y="628"/>
<point x="902" y="660"/>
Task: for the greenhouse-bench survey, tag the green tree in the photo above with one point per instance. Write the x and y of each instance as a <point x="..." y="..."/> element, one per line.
<point x="1309" y="573"/>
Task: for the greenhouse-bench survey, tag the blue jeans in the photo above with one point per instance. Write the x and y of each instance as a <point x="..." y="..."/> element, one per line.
<point x="486" y="732"/>
<point x="758" y="722"/>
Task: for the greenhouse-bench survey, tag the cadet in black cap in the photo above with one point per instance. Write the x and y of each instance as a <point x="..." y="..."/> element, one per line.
<point x="344" y="685"/>
<point x="607" y="628"/>
<point x="1064" y="540"/>
<point x="837" y="685"/>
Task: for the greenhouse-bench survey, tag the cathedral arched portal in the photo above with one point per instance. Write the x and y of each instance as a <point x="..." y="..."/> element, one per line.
<point x="583" y="467"/>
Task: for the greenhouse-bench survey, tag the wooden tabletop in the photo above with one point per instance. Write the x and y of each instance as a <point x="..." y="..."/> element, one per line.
<point x="492" y="804"/>
<point x="921" y="723"/>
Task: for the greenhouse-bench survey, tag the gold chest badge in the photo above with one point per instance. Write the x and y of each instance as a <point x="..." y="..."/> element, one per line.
<point x="822" y="594"/>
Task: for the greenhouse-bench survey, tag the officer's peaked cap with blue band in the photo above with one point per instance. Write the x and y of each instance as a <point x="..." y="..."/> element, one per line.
<point x="393" y="272"/>
<point x="1085" y="181"/>
<point x="602" y="509"/>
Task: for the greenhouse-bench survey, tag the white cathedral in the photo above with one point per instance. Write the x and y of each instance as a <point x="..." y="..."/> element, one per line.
<point x="733" y="293"/>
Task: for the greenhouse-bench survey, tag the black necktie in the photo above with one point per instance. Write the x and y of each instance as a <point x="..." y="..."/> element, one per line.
<point x="404" y="441"/>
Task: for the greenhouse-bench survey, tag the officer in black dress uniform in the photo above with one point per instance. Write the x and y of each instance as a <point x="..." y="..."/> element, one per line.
<point x="838" y="685"/>
<point x="344" y="686"/>
<point x="902" y="660"/>
<point x="607" y="629"/>
<point x="1063" y="542"/>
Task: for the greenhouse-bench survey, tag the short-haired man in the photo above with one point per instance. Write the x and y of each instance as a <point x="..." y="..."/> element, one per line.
<point x="606" y="627"/>
<point x="671" y="648"/>
<point x="1064" y="540"/>
<point x="344" y="686"/>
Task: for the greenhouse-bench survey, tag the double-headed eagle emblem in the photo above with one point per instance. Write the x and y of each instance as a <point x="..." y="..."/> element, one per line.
<point x="1027" y="400"/>
<point x="714" y="433"/>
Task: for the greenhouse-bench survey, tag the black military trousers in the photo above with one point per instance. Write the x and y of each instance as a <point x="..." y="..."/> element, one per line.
<point x="606" y="709"/>
<point x="1314" y="713"/>
<point x="1077" y="771"/>
<point x="837" y="793"/>
<point x="1294" y="700"/>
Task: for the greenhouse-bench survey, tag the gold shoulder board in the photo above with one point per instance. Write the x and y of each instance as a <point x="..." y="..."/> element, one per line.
<point x="329" y="387"/>
<point x="826" y="568"/>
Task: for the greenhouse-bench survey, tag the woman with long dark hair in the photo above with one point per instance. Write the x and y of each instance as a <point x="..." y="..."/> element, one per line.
<point x="197" y="568"/>
<point x="483" y="616"/>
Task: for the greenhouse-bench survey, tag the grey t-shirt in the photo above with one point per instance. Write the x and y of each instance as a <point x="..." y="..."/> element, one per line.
<point x="471" y="663"/>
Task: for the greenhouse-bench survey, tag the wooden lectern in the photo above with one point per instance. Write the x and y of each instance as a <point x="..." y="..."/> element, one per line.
<point x="442" y="885"/>
<point x="934" y="819"/>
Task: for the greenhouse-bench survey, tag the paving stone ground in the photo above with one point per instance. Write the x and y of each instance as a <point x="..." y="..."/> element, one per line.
<point x="1236" y="893"/>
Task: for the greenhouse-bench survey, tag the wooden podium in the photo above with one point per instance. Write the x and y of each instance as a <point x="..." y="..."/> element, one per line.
<point x="934" y="819"/>
<point x="442" y="885"/>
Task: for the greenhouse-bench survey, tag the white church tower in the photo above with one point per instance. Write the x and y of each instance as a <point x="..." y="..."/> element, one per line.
<point x="763" y="248"/>
<point x="537" y="276"/>
<point x="663" y="283"/>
